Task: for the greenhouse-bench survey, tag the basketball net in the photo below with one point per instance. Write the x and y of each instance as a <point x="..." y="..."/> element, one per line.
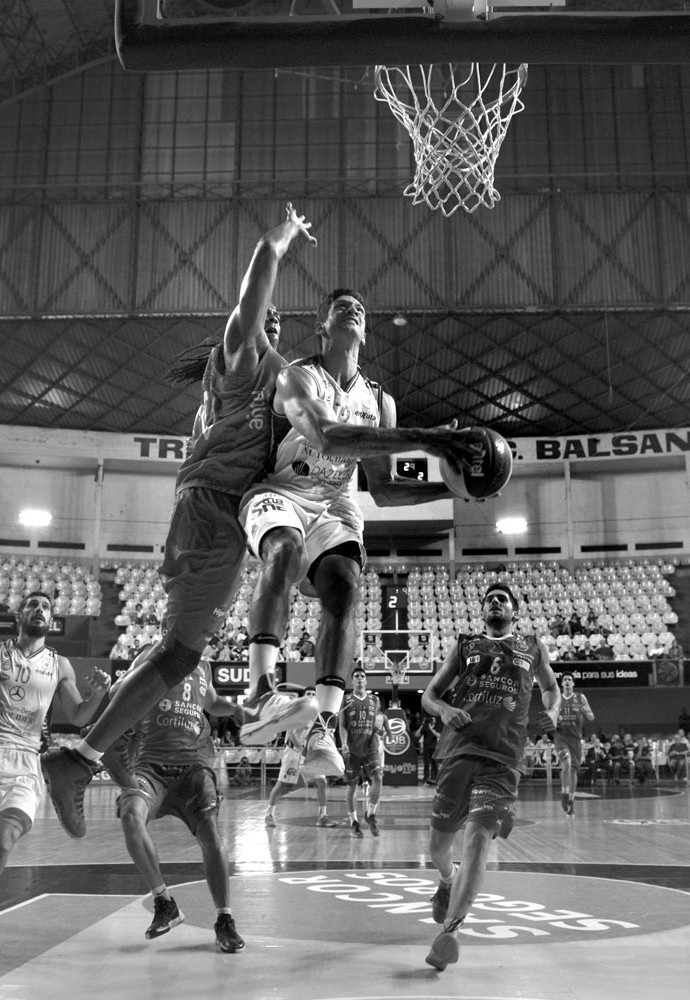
<point x="457" y="116"/>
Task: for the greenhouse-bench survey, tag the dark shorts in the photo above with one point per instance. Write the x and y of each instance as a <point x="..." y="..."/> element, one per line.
<point x="365" y="767"/>
<point x="204" y="554"/>
<point x="188" y="791"/>
<point x="570" y="745"/>
<point x="477" y="789"/>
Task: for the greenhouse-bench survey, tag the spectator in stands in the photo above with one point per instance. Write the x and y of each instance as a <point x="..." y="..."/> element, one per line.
<point x="677" y="756"/>
<point x="574" y="625"/>
<point x="601" y="650"/>
<point x="630" y="748"/>
<point x="427" y="734"/>
<point x="644" y="766"/>
<point x="120" y="649"/>
<point x="243" y="773"/>
<point x="591" y="627"/>
<point x="619" y="759"/>
<point x="597" y="759"/>
<point x="305" y="647"/>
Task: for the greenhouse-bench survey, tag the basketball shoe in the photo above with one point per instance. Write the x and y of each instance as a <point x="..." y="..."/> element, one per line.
<point x="440" y="901"/>
<point x="370" y="818"/>
<point x="166" y="915"/>
<point x="326" y="821"/>
<point x="66" y="775"/>
<point x="320" y="755"/>
<point x="273" y="713"/>
<point x="356" y="830"/>
<point x="444" y="951"/>
<point x="227" y="938"/>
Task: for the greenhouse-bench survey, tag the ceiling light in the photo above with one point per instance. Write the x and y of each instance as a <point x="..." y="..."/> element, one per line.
<point x="32" y="518"/>
<point x="399" y="320"/>
<point x="512" y="525"/>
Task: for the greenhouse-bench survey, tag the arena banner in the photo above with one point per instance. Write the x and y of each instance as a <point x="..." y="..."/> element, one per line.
<point x="173" y="449"/>
<point x="628" y="444"/>
<point x="400" y="764"/>
<point x="612" y="673"/>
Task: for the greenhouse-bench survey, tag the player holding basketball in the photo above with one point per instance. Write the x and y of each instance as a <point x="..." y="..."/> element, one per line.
<point x="205" y="547"/>
<point x="31" y="673"/>
<point x="304" y="521"/>
<point x="361" y="728"/>
<point x="568" y="740"/>
<point x="170" y="772"/>
<point x="488" y="679"/>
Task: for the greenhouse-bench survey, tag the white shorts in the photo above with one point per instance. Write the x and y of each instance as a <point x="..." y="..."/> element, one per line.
<point x="323" y="524"/>
<point x="21" y="782"/>
<point x="289" y="766"/>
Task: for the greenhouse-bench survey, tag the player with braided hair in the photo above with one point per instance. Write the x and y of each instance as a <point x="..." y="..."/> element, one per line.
<point x="205" y="548"/>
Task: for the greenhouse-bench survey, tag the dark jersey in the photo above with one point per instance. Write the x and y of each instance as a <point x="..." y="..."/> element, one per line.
<point x="359" y="718"/>
<point x="231" y="438"/>
<point x="495" y="678"/>
<point x="570" y="716"/>
<point x="175" y="730"/>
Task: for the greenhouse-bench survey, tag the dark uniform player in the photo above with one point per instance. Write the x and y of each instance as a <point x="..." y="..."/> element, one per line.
<point x="205" y="547"/>
<point x="489" y="678"/>
<point x="360" y="738"/>
<point x="172" y="774"/>
<point x="568" y="741"/>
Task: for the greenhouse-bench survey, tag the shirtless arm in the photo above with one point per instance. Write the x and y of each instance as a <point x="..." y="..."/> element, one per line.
<point x="79" y="710"/>
<point x="245" y="339"/>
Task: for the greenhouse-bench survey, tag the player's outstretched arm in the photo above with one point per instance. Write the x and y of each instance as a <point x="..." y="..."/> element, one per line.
<point x="245" y="327"/>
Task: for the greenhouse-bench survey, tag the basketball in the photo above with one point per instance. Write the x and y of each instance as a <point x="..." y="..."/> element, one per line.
<point x="491" y="468"/>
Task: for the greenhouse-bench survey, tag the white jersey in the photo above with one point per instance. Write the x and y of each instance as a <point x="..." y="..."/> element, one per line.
<point x="27" y="686"/>
<point x="300" y="469"/>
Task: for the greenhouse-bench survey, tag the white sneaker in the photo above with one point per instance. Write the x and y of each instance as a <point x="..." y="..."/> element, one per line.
<point x="320" y="755"/>
<point x="274" y="714"/>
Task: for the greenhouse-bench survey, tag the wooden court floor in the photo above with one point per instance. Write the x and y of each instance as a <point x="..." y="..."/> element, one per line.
<point x="594" y="907"/>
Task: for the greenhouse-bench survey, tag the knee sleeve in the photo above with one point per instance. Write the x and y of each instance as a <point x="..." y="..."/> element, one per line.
<point x="174" y="661"/>
<point x="332" y="680"/>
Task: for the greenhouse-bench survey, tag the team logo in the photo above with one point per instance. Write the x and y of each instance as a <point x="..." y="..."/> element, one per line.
<point x="398" y="742"/>
<point x="520" y="643"/>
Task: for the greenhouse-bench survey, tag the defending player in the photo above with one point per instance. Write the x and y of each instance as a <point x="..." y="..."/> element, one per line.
<point x="489" y="680"/>
<point x="205" y="547"/>
<point x="31" y="673"/>
<point x="568" y="740"/>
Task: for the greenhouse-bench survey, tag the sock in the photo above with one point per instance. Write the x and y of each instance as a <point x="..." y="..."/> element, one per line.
<point x="371" y="811"/>
<point x="263" y="656"/>
<point x="161" y="890"/>
<point x="88" y="752"/>
<point x="223" y="909"/>
<point x="322" y="811"/>
<point x="329" y="693"/>
<point x="448" y="879"/>
<point x="352" y="816"/>
<point x="270" y="810"/>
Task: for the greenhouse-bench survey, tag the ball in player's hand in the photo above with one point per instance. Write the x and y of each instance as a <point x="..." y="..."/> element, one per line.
<point x="487" y="465"/>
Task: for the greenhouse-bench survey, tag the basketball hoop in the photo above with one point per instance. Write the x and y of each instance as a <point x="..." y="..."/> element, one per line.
<point x="457" y="115"/>
<point x="397" y="674"/>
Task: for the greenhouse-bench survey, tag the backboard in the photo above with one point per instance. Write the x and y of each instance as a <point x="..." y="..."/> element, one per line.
<point x="159" y="35"/>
